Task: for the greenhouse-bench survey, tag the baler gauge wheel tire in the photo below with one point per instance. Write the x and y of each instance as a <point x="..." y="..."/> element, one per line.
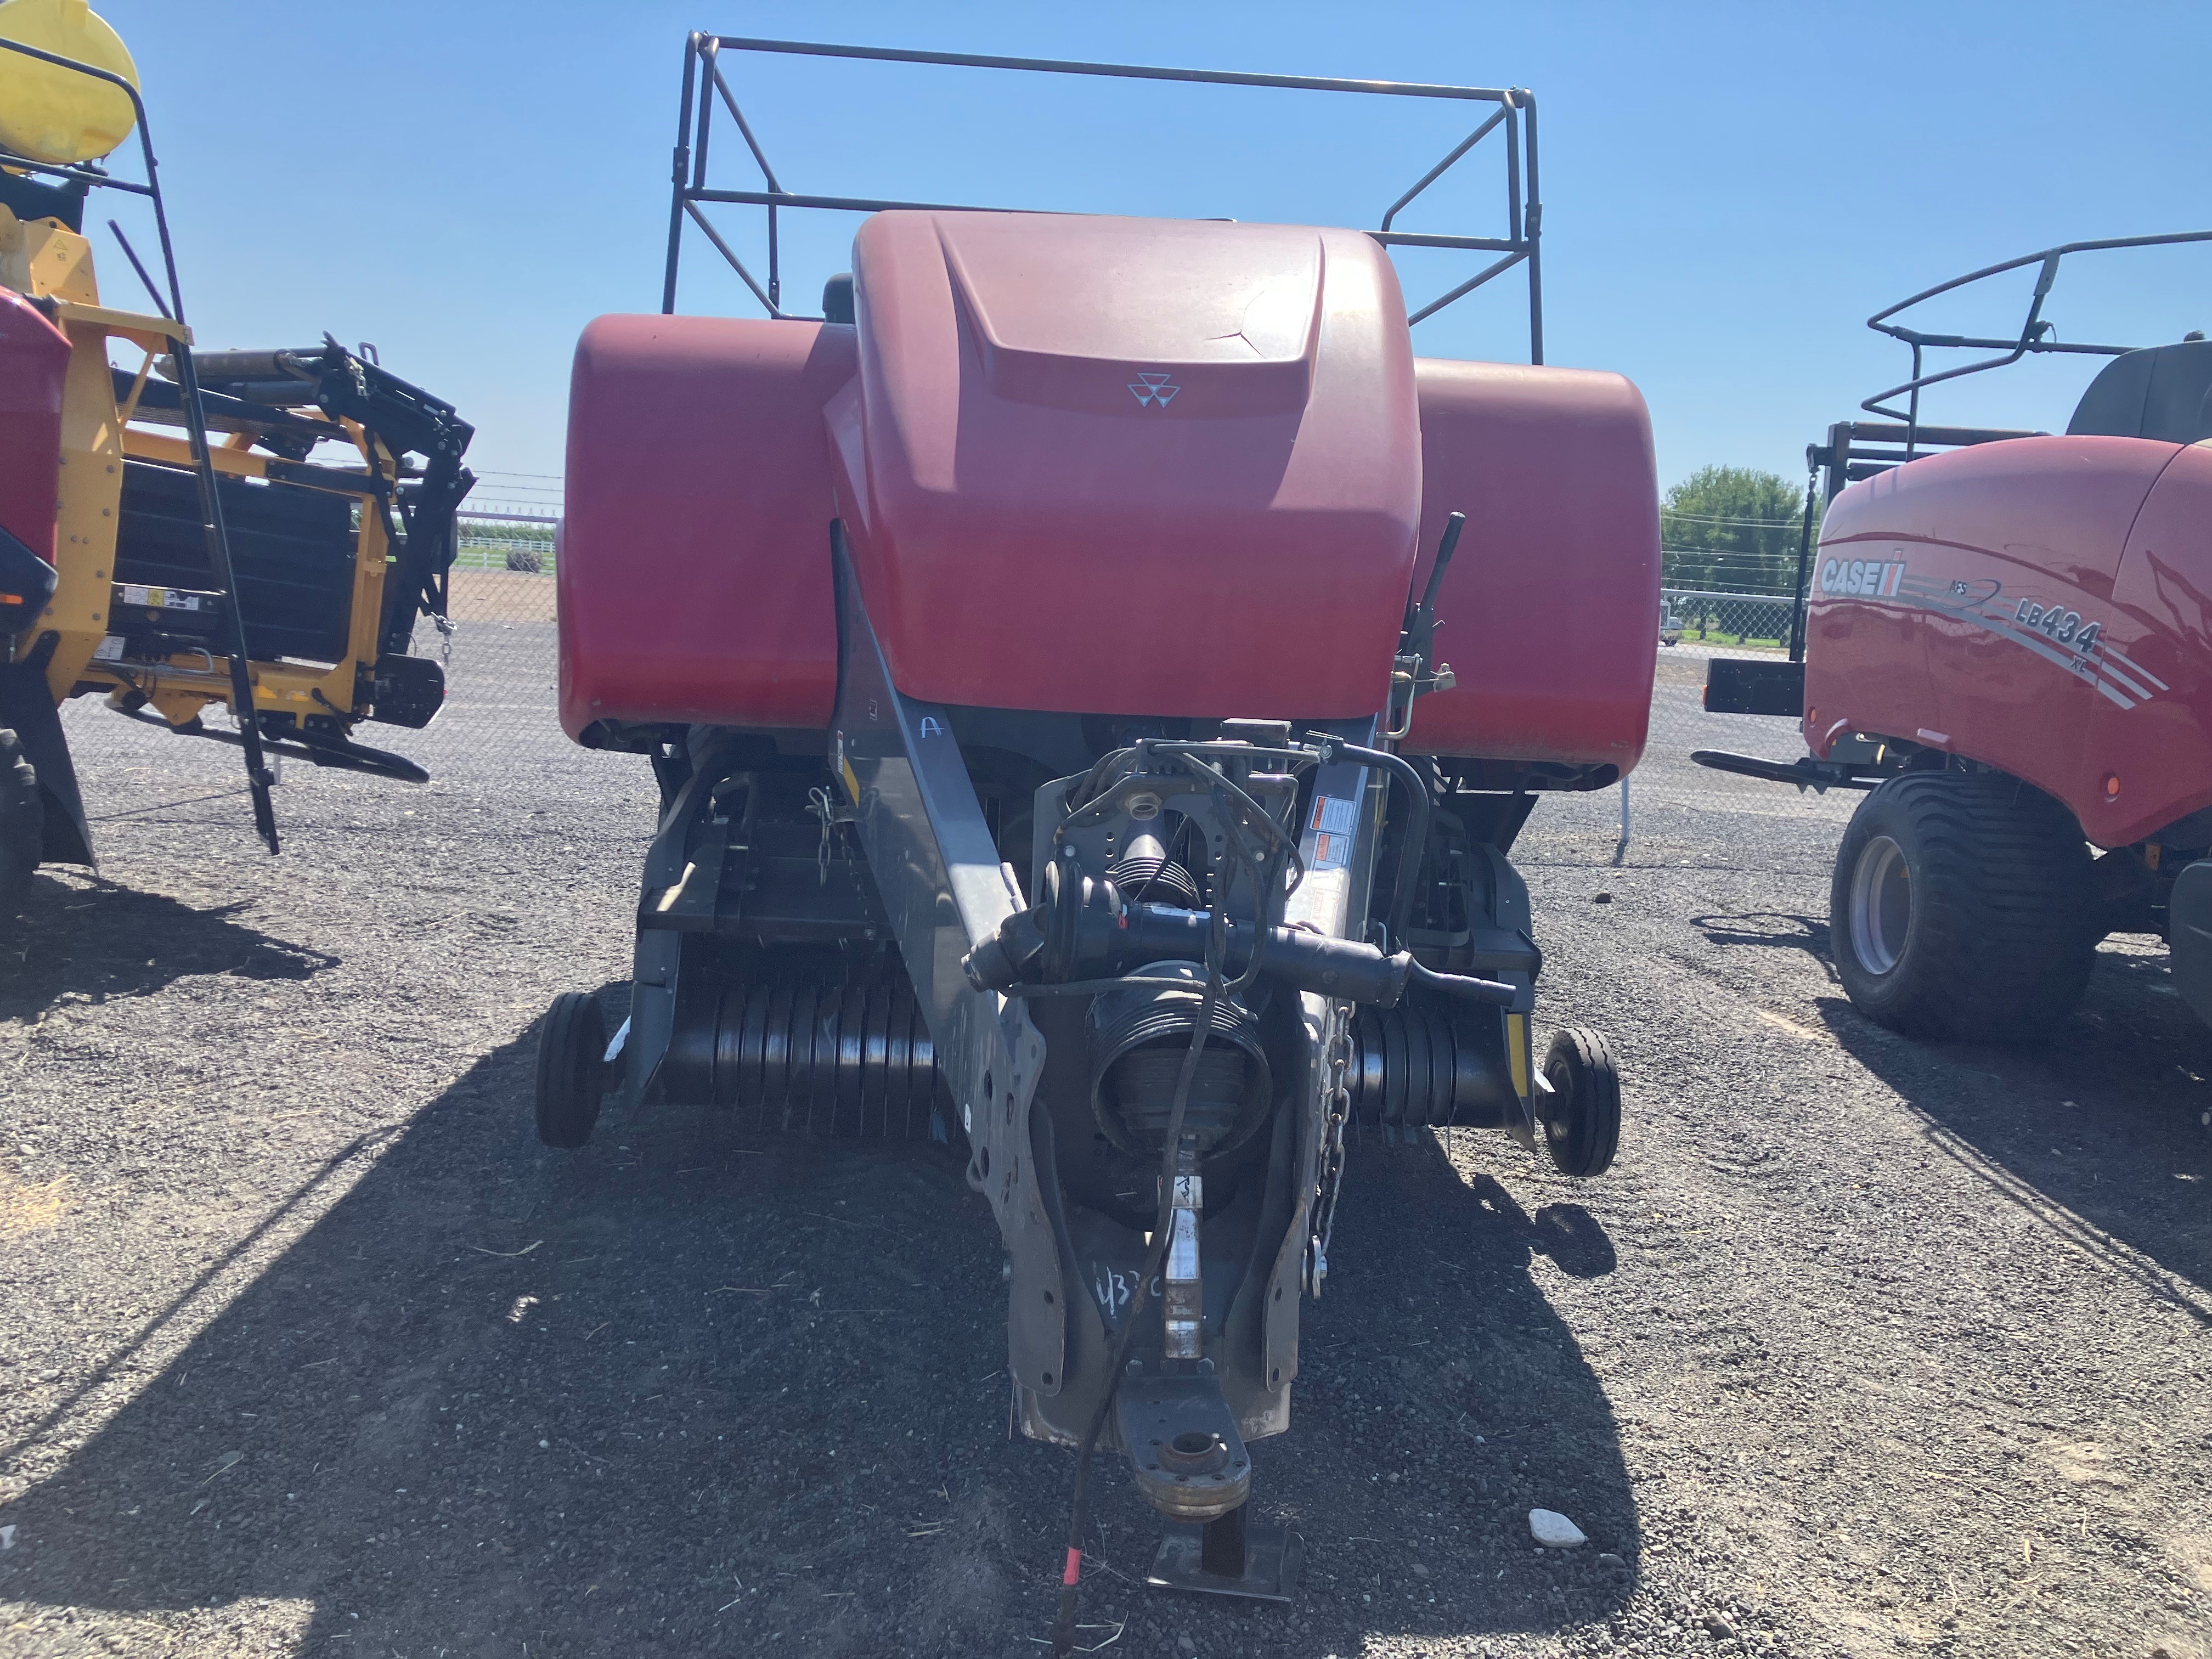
<point x="1583" y="1131"/>
<point x="572" y="1070"/>
<point x="22" y="827"/>
<point x="1962" y="906"/>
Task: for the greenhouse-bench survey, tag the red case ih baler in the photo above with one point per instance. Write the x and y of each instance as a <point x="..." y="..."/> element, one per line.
<point x="1043" y="657"/>
<point x="2007" y="640"/>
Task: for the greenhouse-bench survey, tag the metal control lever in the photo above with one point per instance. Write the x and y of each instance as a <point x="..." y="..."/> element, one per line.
<point x="1415" y="670"/>
<point x="1418" y="633"/>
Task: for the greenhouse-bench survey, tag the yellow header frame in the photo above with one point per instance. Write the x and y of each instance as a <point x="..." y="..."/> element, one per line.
<point x="43" y="260"/>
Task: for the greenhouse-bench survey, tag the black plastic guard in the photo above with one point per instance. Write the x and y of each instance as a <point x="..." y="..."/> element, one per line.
<point x="407" y="690"/>
<point x="1741" y="685"/>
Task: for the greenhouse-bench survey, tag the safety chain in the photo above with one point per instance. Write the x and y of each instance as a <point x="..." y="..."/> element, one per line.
<point x="1338" y="1099"/>
<point x="830" y="813"/>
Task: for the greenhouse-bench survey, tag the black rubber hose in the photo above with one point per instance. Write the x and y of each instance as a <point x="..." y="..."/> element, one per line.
<point x="1094" y="780"/>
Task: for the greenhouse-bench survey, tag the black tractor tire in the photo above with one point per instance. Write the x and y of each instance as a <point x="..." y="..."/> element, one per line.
<point x="23" y="826"/>
<point x="1581" y="1128"/>
<point x="1962" y="908"/>
<point x="572" y="1070"/>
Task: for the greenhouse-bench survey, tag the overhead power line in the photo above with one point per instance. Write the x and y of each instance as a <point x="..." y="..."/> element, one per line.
<point x="1708" y="518"/>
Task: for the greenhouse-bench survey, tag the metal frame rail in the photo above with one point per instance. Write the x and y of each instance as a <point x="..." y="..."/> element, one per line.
<point x="2034" y="337"/>
<point x="258" y="778"/>
<point x="705" y="85"/>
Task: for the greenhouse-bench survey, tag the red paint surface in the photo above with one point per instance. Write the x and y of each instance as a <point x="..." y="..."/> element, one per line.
<point x="33" y="363"/>
<point x="694" y="571"/>
<point x="1031" y="533"/>
<point x="2161" y="751"/>
<point x="1549" y="614"/>
<point x="2116" y="531"/>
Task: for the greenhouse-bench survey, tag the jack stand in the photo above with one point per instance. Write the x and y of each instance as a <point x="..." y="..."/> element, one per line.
<point x="1225" y="1557"/>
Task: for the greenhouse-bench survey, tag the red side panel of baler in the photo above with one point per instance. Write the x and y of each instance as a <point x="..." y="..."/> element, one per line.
<point x="1969" y="601"/>
<point x="1132" y="466"/>
<point x="33" y="363"/>
<point x="1549" y="616"/>
<point x="694" y="570"/>
<point x="2159" y="751"/>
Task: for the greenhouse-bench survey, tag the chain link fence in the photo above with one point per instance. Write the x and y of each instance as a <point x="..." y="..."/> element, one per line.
<point x="498" y="736"/>
<point x="508" y="522"/>
<point x="1758" y="622"/>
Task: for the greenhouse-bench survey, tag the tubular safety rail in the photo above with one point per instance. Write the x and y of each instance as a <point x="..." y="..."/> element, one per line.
<point x="2035" y="332"/>
<point x="705" y="85"/>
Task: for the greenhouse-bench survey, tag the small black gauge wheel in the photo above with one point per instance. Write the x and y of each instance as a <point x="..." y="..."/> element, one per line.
<point x="1583" y="1128"/>
<point x="572" y="1070"/>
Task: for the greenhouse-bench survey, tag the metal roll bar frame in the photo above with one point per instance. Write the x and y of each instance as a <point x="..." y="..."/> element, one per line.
<point x="704" y="85"/>
<point x="2034" y="332"/>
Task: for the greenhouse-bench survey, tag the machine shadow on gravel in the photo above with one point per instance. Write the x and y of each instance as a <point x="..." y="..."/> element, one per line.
<point x="96" y="939"/>
<point x="699" y="1390"/>
<point x="2093" y="1120"/>
<point x="1442" y="1398"/>
<point x="1779" y="930"/>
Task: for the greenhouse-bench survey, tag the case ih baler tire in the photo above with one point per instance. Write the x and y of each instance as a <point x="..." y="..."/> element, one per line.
<point x="1962" y="906"/>
<point x="572" y="1070"/>
<point x="23" y="826"/>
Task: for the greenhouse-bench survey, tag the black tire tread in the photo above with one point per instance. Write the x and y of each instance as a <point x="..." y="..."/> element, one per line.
<point x="571" y="1075"/>
<point x="2005" y="922"/>
<point x="1591" y="1116"/>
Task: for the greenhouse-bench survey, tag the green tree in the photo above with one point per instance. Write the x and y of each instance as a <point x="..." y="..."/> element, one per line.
<point x="1732" y="529"/>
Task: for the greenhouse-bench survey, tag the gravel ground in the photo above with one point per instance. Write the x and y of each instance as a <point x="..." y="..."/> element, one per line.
<point x="1864" y="1347"/>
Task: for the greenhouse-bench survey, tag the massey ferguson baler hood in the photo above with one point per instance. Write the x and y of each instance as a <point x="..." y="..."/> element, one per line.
<point x="1064" y="427"/>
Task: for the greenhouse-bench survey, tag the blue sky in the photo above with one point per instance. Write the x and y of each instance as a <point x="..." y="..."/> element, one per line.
<point x="1730" y="189"/>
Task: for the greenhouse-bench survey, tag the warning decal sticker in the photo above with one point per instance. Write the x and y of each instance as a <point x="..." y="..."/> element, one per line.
<point x="1331" y="830"/>
<point x="164" y="598"/>
<point x="1327" y="836"/>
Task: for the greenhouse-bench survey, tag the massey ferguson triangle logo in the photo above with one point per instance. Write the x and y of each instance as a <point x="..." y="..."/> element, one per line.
<point x="1153" y="390"/>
